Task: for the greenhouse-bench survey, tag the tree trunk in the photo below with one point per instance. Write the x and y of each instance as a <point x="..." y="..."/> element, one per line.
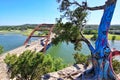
<point x="102" y="69"/>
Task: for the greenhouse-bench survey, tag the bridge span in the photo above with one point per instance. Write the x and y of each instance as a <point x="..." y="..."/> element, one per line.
<point x="37" y="45"/>
<point x="33" y="46"/>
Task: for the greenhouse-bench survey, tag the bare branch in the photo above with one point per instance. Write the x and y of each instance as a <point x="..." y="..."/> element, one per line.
<point x="96" y="8"/>
<point x="76" y="3"/>
<point x="88" y="43"/>
<point x="108" y="2"/>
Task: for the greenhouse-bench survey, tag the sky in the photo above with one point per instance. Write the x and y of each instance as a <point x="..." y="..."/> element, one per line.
<point x="18" y="12"/>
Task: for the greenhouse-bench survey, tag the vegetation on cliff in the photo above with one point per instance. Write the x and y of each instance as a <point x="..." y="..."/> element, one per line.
<point x="31" y="65"/>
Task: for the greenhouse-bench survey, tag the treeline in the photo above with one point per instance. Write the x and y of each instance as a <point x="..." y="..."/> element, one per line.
<point x="89" y="29"/>
<point x="19" y="27"/>
<point x="95" y="27"/>
<point x="92" y="29"/>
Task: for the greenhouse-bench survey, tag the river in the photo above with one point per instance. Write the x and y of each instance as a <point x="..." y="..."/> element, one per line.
<point x="62" y="50"/>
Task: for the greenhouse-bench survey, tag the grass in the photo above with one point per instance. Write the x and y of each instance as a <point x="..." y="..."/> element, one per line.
<point x="28" y="31"/>
<point x="88" y="36"/>
<point x="4" y="32"/>
<point x="109" y="36"/>
<point x="25" y="32"/>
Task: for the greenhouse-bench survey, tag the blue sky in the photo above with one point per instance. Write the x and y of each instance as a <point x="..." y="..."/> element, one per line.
<point x="17" y="12"/>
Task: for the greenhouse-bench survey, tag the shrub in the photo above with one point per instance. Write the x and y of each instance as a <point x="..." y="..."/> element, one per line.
<point x="94" y="37"/>
<point x="1" y="49"/>
<point x="31" y="65"/>
<point x="113" y="38"/>
<point x="80" y="58"/>
<point x="116" y="66"/>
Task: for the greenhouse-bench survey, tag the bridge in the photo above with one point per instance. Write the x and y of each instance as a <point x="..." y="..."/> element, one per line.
<point x="48" y="37"/>
<point x="38" y="45"/>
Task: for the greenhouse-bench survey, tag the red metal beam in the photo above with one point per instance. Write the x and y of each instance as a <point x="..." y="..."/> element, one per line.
<point x="42" y="29"/>
<point x="48" y="37"/>
<point x="39" y="28"/>
<point x="38" y="36"/>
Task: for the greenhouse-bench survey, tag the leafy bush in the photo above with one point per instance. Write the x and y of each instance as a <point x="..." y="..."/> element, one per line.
<point x="31" y="65"/>
<point x="90" y="31"/>
<point x="80" y="58"/>
<point x="113" y="38"/>
<point x="116" y="66"/>
<point x="94" y="37"/>
<point x="1" y="49"/>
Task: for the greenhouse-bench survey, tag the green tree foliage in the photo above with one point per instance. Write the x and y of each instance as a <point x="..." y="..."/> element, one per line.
<point x="1" y="49"/>
<point x="80" y="58"/>
<point x="21" y="27"/>
<point x="113" y="38"/>
<point x="94" y="37"/>
<point x="31" y="65"/>
<point x="90" y="32"/>
<point x="71" y="30"/>
<point x="116" y="66"/>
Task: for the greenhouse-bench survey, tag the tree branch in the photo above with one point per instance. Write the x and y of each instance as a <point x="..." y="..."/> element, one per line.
<point x="108" y="2"/>
<point x="88" y="43"/>
<point x="95" y="8"/>
<point x="76" y="3"/>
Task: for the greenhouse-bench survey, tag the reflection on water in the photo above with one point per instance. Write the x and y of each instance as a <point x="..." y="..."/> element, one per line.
<point x="66" y="51"/>
<point x="116" y="45"/>
<point x="63" y="51"/>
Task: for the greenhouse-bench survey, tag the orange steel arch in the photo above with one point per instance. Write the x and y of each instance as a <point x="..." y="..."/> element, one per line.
<point x="39" y="28"/>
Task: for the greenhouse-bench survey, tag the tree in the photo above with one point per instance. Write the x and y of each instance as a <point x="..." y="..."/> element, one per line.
<point x="71" y="31"/>
<point x="113" y="38"/>
<point x="94" y="37"/>
<point x="31" y="65"/>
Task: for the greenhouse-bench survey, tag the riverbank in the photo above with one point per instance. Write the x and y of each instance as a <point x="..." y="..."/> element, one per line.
<point x="24" y="32"/>
<point x="109" y="36"/>
<point x="28" y="31"/>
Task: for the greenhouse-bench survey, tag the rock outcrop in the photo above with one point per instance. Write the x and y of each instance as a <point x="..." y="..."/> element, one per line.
<point x="69" y="73"/>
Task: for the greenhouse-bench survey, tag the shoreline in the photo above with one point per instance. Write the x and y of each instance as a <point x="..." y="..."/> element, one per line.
<point x="27" y="32"/>
<point x="24" y="33"/>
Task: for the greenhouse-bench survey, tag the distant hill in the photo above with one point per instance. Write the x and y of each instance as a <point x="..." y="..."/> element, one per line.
<point x="24" y="25"/>
<point x="88" y="27"/>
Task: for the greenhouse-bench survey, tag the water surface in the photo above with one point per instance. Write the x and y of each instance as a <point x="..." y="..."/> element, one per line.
<point x="63" y="50"/>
